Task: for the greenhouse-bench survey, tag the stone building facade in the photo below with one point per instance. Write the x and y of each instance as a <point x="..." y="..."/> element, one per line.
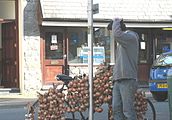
<point x="146" y="17"/>
<point x="31" y="48"/>
<point x="50" y="26"/>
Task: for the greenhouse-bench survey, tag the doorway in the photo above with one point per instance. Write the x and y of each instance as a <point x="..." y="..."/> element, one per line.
<point x="9" y="56"/>
<point x="54" y="50"/>
<point x="9" y="73"/>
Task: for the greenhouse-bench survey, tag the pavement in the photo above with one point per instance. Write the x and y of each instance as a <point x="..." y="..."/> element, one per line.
<point x="18" y="99"/>
<point x="15" y="102"/>
<point x="14" y="99"/>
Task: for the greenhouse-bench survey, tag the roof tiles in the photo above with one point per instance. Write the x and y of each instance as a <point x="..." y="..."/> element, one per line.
<point x="143" y="10"/>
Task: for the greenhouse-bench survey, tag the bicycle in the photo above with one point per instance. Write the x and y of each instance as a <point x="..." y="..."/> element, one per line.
<point x="151" y="111"/>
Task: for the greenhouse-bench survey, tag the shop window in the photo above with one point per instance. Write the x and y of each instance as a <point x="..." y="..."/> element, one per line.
<point x="78" y="46"/>
<point x="54" y="45"/>
<point x="164" y="43"/>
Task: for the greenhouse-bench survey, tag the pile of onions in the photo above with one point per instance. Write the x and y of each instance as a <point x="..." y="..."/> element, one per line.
<point x="78" y="95"/>
<point x="51" y="105"/>
<point x="103" y="82"/>
<point x="78" y="91"/>
<point x="140" y="104"/>
<point x="102" y="90"/>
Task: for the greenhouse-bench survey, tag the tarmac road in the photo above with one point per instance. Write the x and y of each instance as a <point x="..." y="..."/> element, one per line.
<point x="15" y="109"/>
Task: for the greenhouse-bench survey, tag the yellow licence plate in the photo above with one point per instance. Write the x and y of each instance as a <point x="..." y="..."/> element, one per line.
<point x="163" y="85"/>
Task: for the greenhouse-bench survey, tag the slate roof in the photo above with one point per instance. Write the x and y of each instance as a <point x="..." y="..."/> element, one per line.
<point x="134" y="10"/>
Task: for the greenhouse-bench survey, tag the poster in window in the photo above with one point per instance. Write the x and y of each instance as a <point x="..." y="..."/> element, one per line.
<point x="53" y="47"/>
<point x="54" y="39"/>
<point x="142" y="45"/>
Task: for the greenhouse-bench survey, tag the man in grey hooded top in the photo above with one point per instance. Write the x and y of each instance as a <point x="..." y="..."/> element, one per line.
<point x="125" y="71"/>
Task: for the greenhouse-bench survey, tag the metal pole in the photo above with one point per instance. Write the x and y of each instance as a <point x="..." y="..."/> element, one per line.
<point x="90" y="57"/>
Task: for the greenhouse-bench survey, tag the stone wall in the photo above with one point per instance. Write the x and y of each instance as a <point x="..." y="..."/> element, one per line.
<point x="31" y="48"/>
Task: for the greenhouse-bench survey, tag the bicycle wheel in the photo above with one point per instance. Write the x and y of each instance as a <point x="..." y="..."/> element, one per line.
<point x="32" y="111"/>
<point x="150" y="113"/>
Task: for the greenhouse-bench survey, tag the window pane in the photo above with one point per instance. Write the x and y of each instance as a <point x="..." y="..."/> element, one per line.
<point x="78" y="46"/>
<point x="77" y="40"/>
<point x="163" y="44"/>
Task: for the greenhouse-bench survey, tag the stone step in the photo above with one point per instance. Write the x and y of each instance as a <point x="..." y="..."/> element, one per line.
<point x="9" y="90"/>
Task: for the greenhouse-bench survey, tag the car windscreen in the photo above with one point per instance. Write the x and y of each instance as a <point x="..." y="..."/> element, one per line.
<point x="163" y="60"/>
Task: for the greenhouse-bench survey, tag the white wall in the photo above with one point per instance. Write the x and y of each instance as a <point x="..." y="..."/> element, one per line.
<point x="7" y="9"/>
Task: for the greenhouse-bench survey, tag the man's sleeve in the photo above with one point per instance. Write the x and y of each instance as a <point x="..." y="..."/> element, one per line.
<point x="118" y="34"/>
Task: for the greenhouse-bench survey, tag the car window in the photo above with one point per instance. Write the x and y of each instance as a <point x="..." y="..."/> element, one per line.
<point x="164" y="60"/>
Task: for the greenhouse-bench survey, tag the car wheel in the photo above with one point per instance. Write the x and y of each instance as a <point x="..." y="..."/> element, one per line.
<point x="160" y="96"/>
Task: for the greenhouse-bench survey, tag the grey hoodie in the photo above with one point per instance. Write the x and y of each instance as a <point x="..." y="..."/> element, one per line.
<point x="126" y="53"/>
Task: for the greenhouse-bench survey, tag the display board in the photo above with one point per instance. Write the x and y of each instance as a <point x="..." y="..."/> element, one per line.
<point x="98" y="55"/>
